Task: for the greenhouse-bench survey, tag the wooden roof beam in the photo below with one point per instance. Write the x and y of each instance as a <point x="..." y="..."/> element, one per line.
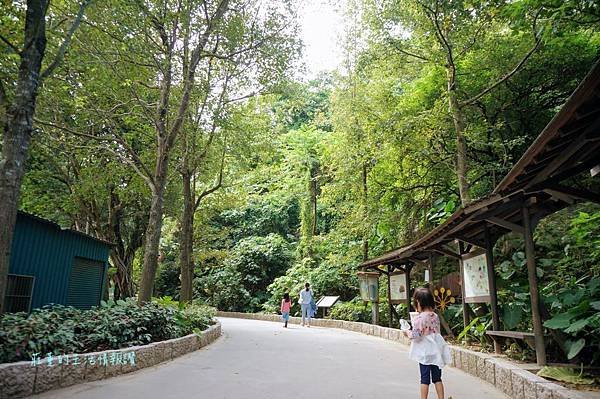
<point x="587" y="153"/>
<point x="566" y="154"/>
<point x="573" y="193"/>
<point x="509" y="205"/>
<point x="506" y="224"/>
<point x="444" y="251"/>
<point x="562" y="175"/>
<point x="470" y="241"/>
<point x="560" y="196"/>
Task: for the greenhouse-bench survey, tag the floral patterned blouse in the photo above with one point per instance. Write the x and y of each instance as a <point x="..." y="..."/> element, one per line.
<point x="424" y="323"/>
<point x="427" y="344"/>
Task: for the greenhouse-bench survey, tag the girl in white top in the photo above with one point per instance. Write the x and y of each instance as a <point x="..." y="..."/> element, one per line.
<point x="306" y="296"/>
<point x="427" y="346"/>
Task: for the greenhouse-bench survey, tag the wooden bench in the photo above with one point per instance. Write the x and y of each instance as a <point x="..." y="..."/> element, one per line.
<point x="528" y="337"/>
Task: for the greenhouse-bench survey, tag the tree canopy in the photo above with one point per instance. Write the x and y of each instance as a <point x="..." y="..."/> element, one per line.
<point x="182" y="132"/>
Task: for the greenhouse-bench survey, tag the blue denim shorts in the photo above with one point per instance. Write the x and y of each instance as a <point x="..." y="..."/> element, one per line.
<point x="430" y="373"/>
<point x="285" y="316"/>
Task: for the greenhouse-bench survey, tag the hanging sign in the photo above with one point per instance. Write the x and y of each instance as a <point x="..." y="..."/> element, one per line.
<point x="475" y="278"/>
<point x="369" y="286"/>
<point x="398" y="287"/>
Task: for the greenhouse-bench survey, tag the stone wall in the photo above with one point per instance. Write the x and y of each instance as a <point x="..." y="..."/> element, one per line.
<point x="21" y="379"/>
<point x="506" y="376"/>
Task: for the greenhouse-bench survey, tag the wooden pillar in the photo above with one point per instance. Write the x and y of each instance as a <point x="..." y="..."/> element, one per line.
<point x="465" y="306"/>
<point x="540" y="348"/>
<point x="407" y="268"/>
<point x="375" y="307"/>
<point x="431" y="260"/>
<point x="389" y="292"/>
<point x="489" y="258"/>
<point x="375" y="313"/>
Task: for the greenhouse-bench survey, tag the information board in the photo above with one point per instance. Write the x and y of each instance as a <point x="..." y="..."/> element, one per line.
<point x="475" y="278"/>
<point x="398" y="287"/>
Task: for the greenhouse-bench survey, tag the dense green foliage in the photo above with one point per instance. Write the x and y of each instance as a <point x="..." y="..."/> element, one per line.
<point x="435" y="102"/>
<point x="355" y="310"/>
<point x="65" y="330"/>
<point x="577" y="308"/>
<point x="240" y="282"/>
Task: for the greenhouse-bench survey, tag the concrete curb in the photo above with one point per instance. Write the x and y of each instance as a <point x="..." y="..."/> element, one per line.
<point x="506" y="376"/>
<point x="21" y="379"/>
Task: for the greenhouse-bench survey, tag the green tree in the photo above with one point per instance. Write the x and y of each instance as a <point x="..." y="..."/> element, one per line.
<point x="20" y="78"/>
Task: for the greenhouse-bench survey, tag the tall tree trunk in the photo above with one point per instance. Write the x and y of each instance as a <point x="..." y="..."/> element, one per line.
<point x="122" y="278"/>
<point x="18" y="129"/>
<point x="187" y="240"/>
<point x="365" y="244"/>
<point x="123" y="253"/>
<point x="461" y="144"/>
<point x="155" y="220"/>
<point x="313" y="197"/>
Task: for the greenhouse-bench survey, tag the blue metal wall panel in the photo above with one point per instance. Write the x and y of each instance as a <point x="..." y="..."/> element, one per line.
<point x="43" y="250"/>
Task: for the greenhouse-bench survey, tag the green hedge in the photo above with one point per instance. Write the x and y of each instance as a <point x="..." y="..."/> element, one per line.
<point x="65" y="330"/>
<point x="354" y="310"/>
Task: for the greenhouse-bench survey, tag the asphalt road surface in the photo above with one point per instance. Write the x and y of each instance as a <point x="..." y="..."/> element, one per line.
<point x="262" y="360"/>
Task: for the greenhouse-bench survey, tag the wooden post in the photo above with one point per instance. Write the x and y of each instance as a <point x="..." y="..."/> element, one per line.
<point x="389" y="276"/>
<point x="465" y="306"/>
<point x="538" y="331"/>
<point x="375" y="313"/>
<point x="431" y="260"/>
<point x="489" y="258"/>
<point x="407" y="268"/>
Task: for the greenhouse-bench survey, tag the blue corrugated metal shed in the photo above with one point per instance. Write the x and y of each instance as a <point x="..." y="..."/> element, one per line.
<point x="69" y="267"/>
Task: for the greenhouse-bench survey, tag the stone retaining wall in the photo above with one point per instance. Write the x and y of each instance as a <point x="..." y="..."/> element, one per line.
<point x="21" y="379"/>
<point x="506" y="376"/>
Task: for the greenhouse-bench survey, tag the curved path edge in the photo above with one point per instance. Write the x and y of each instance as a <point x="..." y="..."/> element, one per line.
<point x="506" y="376"/>
<point x="21" y="379"/>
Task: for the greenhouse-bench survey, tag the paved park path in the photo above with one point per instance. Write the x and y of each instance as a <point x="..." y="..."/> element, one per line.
<point x="262" y="360"/>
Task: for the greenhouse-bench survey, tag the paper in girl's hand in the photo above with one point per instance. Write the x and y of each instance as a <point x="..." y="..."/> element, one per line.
<point x="404" y="325"/>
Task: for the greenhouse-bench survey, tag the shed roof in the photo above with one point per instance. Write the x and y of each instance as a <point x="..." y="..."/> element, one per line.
<point x="57" y="227"/>
<point x="568" y="145"/>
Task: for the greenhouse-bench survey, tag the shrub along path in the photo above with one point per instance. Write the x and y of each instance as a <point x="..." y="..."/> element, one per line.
<point x="258" y="359"/>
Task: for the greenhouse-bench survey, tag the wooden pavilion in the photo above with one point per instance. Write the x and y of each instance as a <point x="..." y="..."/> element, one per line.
<point x="542" y="182"/>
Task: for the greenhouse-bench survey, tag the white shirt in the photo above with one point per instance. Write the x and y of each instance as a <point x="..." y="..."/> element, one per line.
<point x="305" y="297"/>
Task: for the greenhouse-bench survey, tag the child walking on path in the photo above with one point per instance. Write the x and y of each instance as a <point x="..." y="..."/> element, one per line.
<point x="428" y="347"/>
<point x="286" y="304"/>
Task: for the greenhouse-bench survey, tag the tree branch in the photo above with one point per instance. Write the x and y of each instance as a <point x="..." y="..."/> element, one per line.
<point x="408" y="53"/>
<point x="9" y="44"/>
<point x="538" y="41"/>
<point x="65" y="44"/>
<point x="505" y="77"/>
<point x="189" y="79"/>
<point x="218" y="184"/>
<point x="135" y="161"/>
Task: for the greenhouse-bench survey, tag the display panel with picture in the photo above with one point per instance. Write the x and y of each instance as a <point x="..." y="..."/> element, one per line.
<point x="398" y="287"/>
<point x="475" y="278"/>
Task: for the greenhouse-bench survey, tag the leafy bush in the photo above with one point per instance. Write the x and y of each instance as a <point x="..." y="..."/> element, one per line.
<point x="577" y="314"/>
<point x="327" y="278"/>
<point x="61" y="329"/>
<point x="475" y="330"/>
<point x="195" y="318"/>
<point x="240" y="283"/>
<point x="223" y="289"/>
<point x="45" y="330"/>
<point x="354" y="310"/>
<point x="121" y="324"/>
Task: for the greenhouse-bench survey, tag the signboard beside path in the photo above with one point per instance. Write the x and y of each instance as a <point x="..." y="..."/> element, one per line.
<point x="327" y="302"/>
<point x="475" y="275"/>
